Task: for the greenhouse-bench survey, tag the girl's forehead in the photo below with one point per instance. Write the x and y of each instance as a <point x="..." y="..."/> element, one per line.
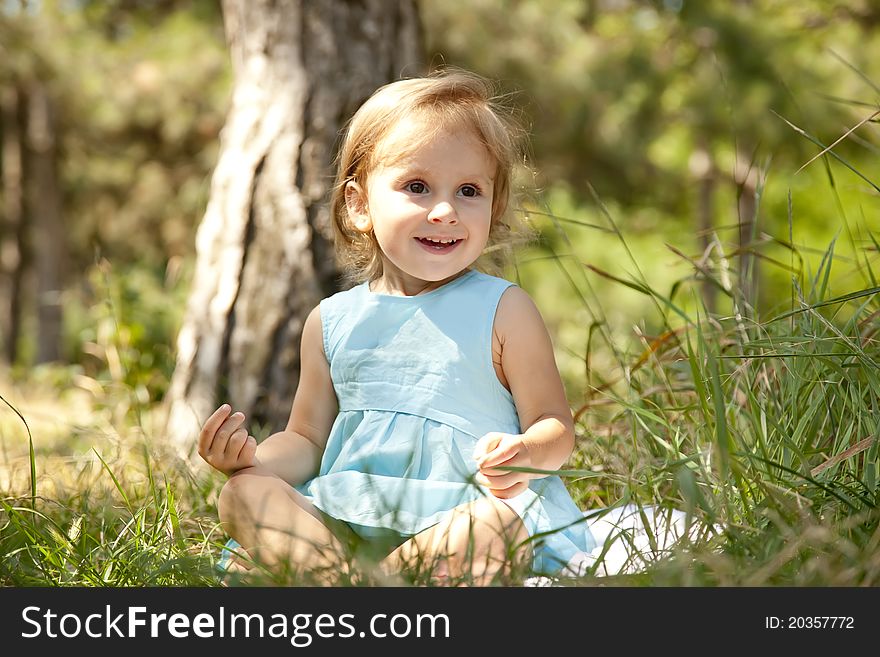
<point x="413" y="133"/>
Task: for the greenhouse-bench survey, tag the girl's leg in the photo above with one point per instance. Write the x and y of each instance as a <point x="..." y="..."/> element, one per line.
<point x="277" y="525"/>
<point x="475" y="542"/>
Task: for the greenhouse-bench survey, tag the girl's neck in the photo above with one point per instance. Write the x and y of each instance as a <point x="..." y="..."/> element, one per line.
<point x="399" y="284"/>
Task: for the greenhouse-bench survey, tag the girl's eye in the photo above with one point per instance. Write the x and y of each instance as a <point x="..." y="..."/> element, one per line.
<point x="416" y="187"/>
<point x="470" y="191"/>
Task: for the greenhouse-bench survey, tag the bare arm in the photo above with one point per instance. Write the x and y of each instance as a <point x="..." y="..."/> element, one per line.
<point x="295" y="453"/>
<point x="529" y="368"/>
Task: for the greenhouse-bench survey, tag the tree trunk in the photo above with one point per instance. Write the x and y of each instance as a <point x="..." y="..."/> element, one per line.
<point x="12" y="229"/>
<point x="44" y="202"/>
<point x="264" y="247"/>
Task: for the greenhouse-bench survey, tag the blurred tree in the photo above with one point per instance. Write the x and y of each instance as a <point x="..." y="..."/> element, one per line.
<point x="105" y="144"/>
<point x="43" y="192"/>
<point x="32" y="218"/>
<point x="12" y="229"/>
<point x="662" y="104"/>
<point x="264" y="254"/>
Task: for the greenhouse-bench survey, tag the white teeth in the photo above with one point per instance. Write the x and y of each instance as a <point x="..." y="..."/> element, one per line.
<point x="440" y="241"/>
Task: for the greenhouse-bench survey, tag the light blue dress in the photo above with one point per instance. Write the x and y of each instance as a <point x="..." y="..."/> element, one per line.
<point x="416" y="390"/>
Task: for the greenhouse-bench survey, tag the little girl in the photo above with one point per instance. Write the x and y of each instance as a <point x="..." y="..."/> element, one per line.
<point x="429" y="400"/>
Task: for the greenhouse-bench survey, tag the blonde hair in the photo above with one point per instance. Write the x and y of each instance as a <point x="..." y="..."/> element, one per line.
<point x="446" y="99"/>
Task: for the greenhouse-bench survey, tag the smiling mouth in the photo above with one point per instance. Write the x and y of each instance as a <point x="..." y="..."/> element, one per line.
<point x="443" y="245"/>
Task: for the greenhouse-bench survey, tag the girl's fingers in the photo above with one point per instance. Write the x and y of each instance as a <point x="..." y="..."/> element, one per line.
<point x="486" y="444"/>
<point x="235" y="443"/>
<point x="500" y="468"/>
<point x="512" y="491"/>
<point x="505" y="451"/>
<point x="206" y="436"/>
<point x="229" y="427"/>
<point x="248" y="452"/>
<point x="502" y="481"/>
<point x="209" y="430"/>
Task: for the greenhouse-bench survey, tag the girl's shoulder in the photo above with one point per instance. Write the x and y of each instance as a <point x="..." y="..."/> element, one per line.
<point x="334" y="310"/>
<point x="341" y="299"/>
<point x="517" y="313"/>
<point x="486" y="283"/>
<point x="512" y="296"/>
<point x="483" y="277"/>
<point x="510" y="308"/>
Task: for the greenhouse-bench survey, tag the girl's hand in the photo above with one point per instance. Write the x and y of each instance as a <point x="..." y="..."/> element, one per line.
<point x="502" y="449"/>
<point x="224" y="443"/>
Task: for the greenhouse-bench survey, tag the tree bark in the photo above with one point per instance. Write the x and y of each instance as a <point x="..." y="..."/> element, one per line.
<point x="264" y="247"/>
<point x="48" y="234"/>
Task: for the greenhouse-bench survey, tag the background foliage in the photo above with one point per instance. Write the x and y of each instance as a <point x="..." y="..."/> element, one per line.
<point x="657" y="128"/>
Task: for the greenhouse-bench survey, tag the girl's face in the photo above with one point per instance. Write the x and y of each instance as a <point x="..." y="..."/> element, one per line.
<point x="430" y="210"/>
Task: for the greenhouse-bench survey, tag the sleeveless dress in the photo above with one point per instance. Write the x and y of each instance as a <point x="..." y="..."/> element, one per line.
<point x="416" y="390"/>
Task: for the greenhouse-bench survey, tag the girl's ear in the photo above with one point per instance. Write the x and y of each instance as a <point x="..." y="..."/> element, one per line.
<point x="356" y="204"/>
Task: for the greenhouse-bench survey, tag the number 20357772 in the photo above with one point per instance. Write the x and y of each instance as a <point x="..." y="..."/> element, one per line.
<point x="809" y="622"/>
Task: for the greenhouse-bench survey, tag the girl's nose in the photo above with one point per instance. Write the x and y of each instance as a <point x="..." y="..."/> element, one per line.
<point x="443" y="213"/>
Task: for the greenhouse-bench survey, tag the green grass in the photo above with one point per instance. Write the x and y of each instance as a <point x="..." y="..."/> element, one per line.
<point x="760" y="423"/>
<point x="765" y="429"/>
